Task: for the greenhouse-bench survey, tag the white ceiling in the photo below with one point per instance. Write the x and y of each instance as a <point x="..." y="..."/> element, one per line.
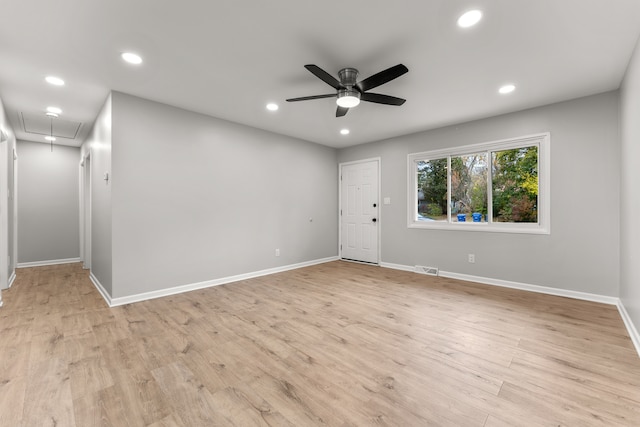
<point x="229" y="58"/>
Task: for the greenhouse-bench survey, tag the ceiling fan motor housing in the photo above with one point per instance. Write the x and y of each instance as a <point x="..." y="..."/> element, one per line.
<point x="349" y="95"/>
<point x="348" y="77"/>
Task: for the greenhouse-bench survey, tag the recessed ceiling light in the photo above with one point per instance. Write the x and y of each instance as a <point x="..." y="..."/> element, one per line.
<point x="50" y="138"/>
<point x="469" y="19"/>
<point x="507" y="89"/>
<point x="272" y="107"/>
<point x="54" y="110"/>
<point x="345" y="131"/>
<point x="53" y="80"/>
<point x="132" y="58"/>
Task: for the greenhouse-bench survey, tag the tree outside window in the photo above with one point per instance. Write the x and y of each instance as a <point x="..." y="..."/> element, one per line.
<point x="495" y="186"/>
<point x="469" y="187"/>
<point x="515" y="185"/>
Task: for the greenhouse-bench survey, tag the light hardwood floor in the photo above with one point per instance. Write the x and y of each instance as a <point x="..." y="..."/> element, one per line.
<point x="337" y="344"/>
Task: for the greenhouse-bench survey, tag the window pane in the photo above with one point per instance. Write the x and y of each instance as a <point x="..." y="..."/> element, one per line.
<point x="469" y="188"/>
<point x="432" y="190"/>
<point x="515" y="185"/>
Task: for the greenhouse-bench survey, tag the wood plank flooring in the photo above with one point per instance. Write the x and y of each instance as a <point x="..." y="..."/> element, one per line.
<point x="337" y="344"/>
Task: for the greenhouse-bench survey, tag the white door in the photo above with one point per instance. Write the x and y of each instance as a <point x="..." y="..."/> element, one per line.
<point x="359" y="209"/>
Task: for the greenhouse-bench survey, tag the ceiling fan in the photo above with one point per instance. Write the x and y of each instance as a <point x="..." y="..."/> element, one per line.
<point x="350" y="93"/>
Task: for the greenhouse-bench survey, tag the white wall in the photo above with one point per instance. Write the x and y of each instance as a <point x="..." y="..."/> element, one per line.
<point x="197" y="198"/>
<point x="48" y="207"/>
<point x="98" y="146"/>
<point x="582" y="251"/>
<point x="630" y="191"/>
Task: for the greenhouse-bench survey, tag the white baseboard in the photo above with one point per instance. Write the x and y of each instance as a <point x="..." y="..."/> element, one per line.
<point x="532" y="288"/>
<point x="12" y="278"/>
<point x="113" y="302"/>
<point x="631" y="328"/>
<point x="48" y="262"/>
<point x="397" y="266"/>
<point x="513" y="285"/>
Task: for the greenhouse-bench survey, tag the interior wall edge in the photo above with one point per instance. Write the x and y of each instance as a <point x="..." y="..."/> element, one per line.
<point x="101" y="289"/>
<point x="12" y="279"/>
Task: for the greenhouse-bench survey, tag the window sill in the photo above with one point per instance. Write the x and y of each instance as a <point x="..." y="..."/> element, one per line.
<point x="482" y="227"/>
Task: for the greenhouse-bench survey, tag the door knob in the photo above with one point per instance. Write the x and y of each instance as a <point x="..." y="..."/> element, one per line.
<point x="375" y="205"/>
<point x="374" y="220"/>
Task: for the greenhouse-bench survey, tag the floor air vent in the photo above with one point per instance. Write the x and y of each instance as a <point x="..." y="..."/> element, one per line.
<point x="431" y="271"/>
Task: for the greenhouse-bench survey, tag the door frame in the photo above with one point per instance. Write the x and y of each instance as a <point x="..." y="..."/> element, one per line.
<point x="14" y="260"/>
<point x="379" y="217"/>
<point x="4" y="214"/>
<point x="85" y="210"/>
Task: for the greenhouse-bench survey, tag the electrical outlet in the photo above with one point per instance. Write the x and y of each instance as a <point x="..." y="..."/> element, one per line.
<point x="472" y="258"/>
<point x="277" y="252"/>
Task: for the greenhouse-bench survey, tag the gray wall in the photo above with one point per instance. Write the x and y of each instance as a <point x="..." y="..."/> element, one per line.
<point x="197" y="198"/>
<point x="582" y="251"/>
<point x="630" y="194"/>
<point x="98" y="146"/>
<point x="48" y="206"/>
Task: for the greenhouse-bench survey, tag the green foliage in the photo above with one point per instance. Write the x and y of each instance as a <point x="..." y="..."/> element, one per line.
<point x="434" y="210"/>
<point x="432" y="179"/>
<point x="479" y="197"/>
<point x="515" y="185"/>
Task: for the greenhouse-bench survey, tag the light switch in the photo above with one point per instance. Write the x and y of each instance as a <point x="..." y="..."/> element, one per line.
<point x="387" y="200"/>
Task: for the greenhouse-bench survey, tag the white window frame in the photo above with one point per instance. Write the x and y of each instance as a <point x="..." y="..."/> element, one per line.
<point x="543" y="226"/>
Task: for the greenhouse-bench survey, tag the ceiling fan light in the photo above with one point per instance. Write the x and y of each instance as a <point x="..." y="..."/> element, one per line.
<point x="348" y="101"/>
<point x="348" y="98"/>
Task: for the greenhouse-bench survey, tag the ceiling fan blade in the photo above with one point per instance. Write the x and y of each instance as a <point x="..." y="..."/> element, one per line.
<point x="307" y="98"/>
<point x="341" y="111"/>
<point x="382" y="99"/>
<point x="324" y="76"/>
<point x="382" y="77"/>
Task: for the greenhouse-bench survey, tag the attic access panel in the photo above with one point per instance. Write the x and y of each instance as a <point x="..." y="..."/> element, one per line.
<point x="40" y="124"/>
